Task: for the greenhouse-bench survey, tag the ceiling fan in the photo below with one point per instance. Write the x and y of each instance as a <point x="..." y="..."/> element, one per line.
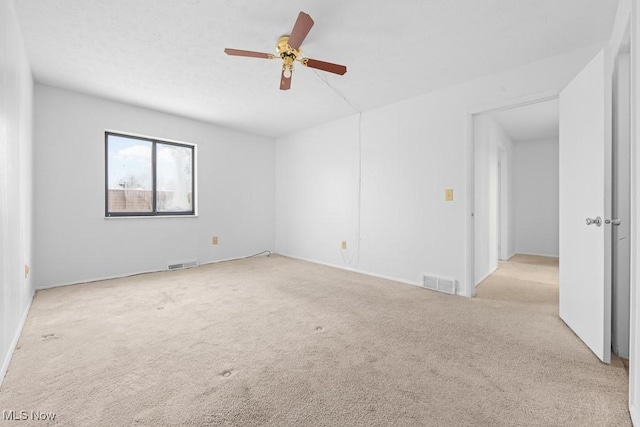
<point x="288" y="48"/>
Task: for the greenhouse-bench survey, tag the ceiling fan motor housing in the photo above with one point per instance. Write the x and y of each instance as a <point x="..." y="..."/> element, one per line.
<point x="286" y="52"/>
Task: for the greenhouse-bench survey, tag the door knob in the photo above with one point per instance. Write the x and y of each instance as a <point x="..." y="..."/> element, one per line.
<point x="615" y="221"/>
<point x="597" y="221"/>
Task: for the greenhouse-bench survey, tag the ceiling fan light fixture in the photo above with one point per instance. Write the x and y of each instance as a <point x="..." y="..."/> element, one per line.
<point x="288" y="48"/>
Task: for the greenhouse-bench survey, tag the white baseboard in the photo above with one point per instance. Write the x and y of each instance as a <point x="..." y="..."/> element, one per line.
<point x="635" y="415"/>
<point x="237" y="258"/>
<point x="98" y="279"/>
<point x="483" y="278"/>
<point x="355" y="270"/>
<point x="14" y="342"/>
<point x="120" y="276"/>
<point x="536" y="254"/>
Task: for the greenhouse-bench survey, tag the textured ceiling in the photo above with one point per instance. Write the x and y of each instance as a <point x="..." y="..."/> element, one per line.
<point x="168" y="54"/>
<point x="531" y="122"/>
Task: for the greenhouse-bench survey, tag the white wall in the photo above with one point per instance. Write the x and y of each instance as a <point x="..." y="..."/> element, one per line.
<point x="411" y="152"/>
<point x="317" y="190"/>
<point x="507" y="206"/>
<point x="16" y="195"/>
<point x="493" y="194"/>
<point x="73" y="240"/>
<point x="536" y="179"/>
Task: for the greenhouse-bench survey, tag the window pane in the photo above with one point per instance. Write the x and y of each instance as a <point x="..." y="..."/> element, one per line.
<point x="174" y="178"/>
<point x="129" y="186"/>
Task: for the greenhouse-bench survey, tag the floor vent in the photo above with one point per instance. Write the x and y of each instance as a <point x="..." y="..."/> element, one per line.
<point x="440" y="284"/>
<point x="182" y="265"/>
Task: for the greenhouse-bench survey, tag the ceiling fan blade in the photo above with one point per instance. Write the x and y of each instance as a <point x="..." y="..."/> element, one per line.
<point x="285" y="83"/>
<point x="324" y="66"/>
<point x="300" y="30"/>
<point x="249" y="53"/>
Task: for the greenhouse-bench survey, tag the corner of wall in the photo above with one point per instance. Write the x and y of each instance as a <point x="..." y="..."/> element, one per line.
<point x="16" y="187"/>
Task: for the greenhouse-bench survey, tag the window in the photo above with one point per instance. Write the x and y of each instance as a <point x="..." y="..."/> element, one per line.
<point x="148" y="177"/>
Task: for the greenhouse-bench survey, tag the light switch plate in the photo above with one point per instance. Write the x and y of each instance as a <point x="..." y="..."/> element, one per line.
<point x="448" y="194"/>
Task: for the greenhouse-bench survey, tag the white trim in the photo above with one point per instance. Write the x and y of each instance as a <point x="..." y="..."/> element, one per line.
<point x="469" y="285"/>
<point x="150" y="216"/>
<point x="634" y="327"/>
<point x="621" y="23"/>
<point x="486" y="276"/>
<point x="353" y="270"/>
<point x="536" y="254"/>
<point x="98" y="279"/>
<point x="120" y="276"/>
<point x="155" y="138"/>
<point x="14" y="342"/>
<point x="366" y="273"/>
<point x="237" y="258"/>
<point x="521" y="101"/>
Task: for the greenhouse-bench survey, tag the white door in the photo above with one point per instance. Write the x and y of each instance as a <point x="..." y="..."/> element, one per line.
<point x="585" y="201"/>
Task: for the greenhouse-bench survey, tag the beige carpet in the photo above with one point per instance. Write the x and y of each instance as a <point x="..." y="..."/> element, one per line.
<point x="276" y="341"/>
<point x="528" y="279"/>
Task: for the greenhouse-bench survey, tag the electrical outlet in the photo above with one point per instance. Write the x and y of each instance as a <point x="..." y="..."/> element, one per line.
<point x="344" y="244"/>
<point x="448" y="194"/>
<point x="26" y="271"/>
<point x="214" y="240"/>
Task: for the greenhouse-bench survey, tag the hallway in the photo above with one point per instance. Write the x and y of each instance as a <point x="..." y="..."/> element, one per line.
<point x="532" y="282"/>
<point x="527" y="279"/>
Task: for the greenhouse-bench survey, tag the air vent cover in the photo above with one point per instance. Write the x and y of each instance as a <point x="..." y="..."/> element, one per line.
<point x="182" y="265"/>
<point x="440" y="284"/>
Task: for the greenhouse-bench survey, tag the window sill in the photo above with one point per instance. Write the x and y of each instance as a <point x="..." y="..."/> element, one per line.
<point x="151" y="216"/>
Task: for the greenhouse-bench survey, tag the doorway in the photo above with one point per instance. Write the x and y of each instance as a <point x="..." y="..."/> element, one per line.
<point x="516" y="173"/>
<point x="599" y="313"/>
<point x="516" y="184"/>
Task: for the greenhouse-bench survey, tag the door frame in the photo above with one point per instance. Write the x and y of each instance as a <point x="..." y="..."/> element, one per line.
<point x="624" y="49"/>
<point x="633" y="13"/>
<point x="628" y="14"/>
<point x="499" y="203"/>
<point x="549" y="95"/>
<point x="505" y="190"/>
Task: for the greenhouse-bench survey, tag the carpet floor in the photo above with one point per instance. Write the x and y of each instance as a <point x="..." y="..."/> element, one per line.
<point x="276" y="341"/>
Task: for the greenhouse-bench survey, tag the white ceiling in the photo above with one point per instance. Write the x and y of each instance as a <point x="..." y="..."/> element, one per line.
<point x="531" y="122"/>
<point x="168" y="54"/>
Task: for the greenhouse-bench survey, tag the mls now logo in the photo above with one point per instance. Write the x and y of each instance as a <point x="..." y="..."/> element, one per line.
<point x="28" y="416"/>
